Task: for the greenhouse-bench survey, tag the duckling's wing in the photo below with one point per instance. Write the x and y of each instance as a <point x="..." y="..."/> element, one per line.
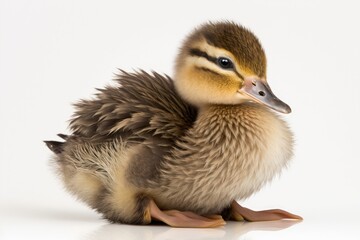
<point x="141" y="104"/>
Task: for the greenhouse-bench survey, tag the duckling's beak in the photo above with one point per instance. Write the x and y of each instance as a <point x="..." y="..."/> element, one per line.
<point x="258" y="90"/>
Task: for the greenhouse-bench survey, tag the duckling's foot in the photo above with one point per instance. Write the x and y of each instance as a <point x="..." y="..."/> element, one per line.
<point x="240" y="213"/>
<point x="176" y="218"/>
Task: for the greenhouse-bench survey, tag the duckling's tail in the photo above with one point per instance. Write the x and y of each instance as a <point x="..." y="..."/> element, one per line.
<point x="55" y="146"/>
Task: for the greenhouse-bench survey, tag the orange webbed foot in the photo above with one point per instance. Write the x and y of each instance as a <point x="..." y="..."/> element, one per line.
<point x="240" y="213"/>
<point x="177" y="218"/>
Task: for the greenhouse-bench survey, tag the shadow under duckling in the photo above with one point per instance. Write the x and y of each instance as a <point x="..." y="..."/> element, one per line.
<point x="183" y="151"/>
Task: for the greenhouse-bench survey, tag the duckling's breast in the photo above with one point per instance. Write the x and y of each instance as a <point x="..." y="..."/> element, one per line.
<point x="229" y="154"/>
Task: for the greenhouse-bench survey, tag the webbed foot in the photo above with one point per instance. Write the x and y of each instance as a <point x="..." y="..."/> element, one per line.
<point x="240" y="213"/>
<point x="176" y="218"/>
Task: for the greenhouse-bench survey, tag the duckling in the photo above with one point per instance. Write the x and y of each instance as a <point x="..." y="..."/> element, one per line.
<point x="181" y="151"/>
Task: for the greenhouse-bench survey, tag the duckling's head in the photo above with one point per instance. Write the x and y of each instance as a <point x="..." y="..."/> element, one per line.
<point x="224" y="63"/>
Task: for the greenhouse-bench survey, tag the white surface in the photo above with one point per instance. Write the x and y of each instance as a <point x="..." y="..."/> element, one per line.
<point x="55" y="52"/>
<point x="63" y="224"/>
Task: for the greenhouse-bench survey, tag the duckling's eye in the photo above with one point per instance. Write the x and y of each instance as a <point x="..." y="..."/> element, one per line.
<point x="225" y="63"/>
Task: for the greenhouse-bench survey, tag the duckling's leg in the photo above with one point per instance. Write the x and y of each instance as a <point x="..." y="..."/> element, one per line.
<point x="240" y="213"/>
<point x="176" y="218"/>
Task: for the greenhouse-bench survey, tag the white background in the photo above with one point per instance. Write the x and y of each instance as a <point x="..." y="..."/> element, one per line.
<point x="54" y="52"/>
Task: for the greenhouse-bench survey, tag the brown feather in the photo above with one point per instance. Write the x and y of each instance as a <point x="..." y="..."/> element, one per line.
<point x="141" y="103"/>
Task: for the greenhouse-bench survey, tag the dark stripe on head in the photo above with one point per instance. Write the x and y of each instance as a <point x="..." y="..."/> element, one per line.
<point x="199" y="53"/>
<point x="238" y="74"/>
<point x="208" y="70"/>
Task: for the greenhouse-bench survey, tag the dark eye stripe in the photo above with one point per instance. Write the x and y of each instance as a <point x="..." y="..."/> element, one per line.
<point x="199" y="53"/>
<point x="208" y="70"/>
